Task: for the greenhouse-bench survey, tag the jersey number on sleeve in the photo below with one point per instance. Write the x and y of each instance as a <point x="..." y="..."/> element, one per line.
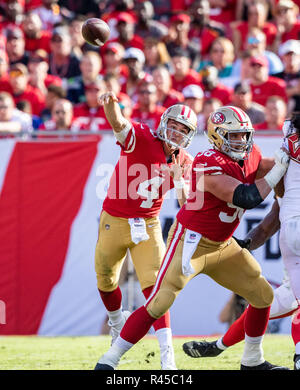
<point x="152" y="193"/>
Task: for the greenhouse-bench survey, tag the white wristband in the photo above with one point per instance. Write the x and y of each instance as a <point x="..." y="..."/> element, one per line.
<point x="276" y="173"/>
<point x="179" y="184"/>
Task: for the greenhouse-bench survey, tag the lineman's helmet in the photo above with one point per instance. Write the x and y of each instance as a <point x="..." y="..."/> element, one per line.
<point x="225" y="121"/>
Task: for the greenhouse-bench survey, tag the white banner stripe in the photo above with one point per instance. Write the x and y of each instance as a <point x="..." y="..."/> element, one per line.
<point x="6" y="149"/>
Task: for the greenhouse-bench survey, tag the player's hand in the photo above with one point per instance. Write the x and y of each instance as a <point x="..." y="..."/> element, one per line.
<point x="175" y="170"/>
<point x="282" y="157"/>
<point x="107" y="98"/>
<point x="243" y="243"/>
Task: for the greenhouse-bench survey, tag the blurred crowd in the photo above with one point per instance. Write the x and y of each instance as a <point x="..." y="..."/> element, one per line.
<point x="204" y="53"/>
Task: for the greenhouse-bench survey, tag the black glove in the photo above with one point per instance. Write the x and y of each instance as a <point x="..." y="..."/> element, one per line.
<point x="243" y="243"/>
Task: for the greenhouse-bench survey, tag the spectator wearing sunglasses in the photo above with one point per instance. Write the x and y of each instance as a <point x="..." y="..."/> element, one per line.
<point x="256" y="46"/>
<point x="20" y="88"/>
<point x="61" y="116"/>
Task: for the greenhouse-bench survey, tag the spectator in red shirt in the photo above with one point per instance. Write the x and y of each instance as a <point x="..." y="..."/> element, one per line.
<point x="110" y="11"/>
<point x="38" y="72"/>
<point x="61" y="116"/>
<point x="134" y="59"/>
<point x="35" y="37"/>
<point x="13" y="14"/>
<point x="223" y="11"/>
<point x="203" y="31"/>
<point x="113" y="54"/>
<point x="288" y="25"/>
<point x="90" y="115"/>
<point x="125" y="28"/>
<point x="178" y="38"/>
<point x="183" y="73"/>
<point x="20" y="88"/>
<point x="275" y="114"/>
<point x="263" y="85"/>
<point x="15" y="46"/>
<point x="146" y="110"/>
<point x="257" y="17"/>
<point x="32" y="4"/>
<point x="166" y="95"/>
<point x="212" y="87"/>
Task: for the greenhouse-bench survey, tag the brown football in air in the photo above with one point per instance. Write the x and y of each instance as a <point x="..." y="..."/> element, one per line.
<point x="95" y="31"/>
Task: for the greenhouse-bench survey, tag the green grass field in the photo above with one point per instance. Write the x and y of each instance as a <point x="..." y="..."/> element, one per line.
<point x="82" y="353"/>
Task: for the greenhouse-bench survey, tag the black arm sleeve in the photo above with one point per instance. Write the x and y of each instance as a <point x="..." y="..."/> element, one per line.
<point x="246" y="196"/>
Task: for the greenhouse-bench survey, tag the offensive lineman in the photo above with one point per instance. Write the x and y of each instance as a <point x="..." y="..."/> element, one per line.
<point x="287" y="296"/>
<point x="150" y="164"/>
<point x="232" y="178"/>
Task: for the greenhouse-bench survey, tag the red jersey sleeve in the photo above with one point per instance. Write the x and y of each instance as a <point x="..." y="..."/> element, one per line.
<point x="207" y="163"/>
<point x="137" y="130"/>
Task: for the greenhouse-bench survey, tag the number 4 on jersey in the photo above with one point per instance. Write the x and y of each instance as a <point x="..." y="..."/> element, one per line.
<point x="152" y="193"/>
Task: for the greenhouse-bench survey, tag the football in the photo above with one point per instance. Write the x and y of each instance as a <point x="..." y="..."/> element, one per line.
<point x="95" y="31"/>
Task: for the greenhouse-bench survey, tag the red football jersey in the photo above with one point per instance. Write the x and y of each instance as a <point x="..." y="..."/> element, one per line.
<point x="203" y="212"/>
<point x="269" y="29"/>
<point x="138" y="184"/>
<point x="221" y="92"/>
<point x="151" y="119"/>
<point x="273" y="86"/>
<point x="91" y="119"/>
<point x="192" y="77"/>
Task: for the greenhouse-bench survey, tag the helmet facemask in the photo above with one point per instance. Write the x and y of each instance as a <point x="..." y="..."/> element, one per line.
<point x="237" y="150"/>
<point x="173" y="137"/>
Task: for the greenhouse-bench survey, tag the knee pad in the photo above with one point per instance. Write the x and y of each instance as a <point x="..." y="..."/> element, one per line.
<point x="161" y="303"/>
<point x="106" y="283"/>
<point x="261" y="294"/>
<point x="284" y="301"/>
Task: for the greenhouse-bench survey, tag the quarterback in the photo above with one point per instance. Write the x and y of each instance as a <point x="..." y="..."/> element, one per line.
<point x="232" y="176"/>
<point x="287" y="217"/>
<point x="150" y="164"/>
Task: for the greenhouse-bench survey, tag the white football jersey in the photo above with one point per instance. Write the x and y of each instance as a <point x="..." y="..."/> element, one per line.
<point x="290" y="204"/>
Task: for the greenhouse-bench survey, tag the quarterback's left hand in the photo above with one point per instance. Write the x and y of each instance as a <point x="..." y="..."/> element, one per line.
<point x="175" y="170"/>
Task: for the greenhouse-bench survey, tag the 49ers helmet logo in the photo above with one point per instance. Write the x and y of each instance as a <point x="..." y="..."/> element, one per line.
<point x="218" y="118"/>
